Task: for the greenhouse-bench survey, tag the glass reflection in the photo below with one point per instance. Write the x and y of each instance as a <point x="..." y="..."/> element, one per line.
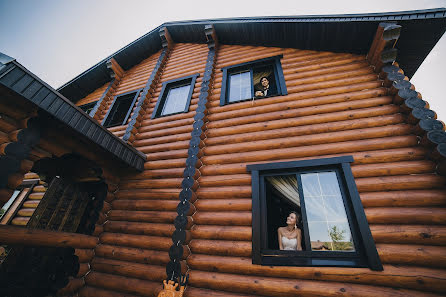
<point x="176" y="100"/>
<point x="326" y="216"/>
<point x="240" y="86"/>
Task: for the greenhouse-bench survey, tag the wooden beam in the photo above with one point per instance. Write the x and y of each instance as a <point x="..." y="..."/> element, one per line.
<point x="166" y="39"/>
<point x="37" y="237"/>
<point x="211" y="36"/>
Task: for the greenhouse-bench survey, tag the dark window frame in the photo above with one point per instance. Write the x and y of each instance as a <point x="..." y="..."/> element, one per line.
<point x="128" y="112"/>
<point x="365" y="254"/>
<point x="87" y="106"/>
<point x="270" y="61"/>
<point x="170" y="84"/>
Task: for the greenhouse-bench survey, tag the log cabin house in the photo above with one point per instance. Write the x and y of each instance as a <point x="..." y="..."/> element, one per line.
<point x="164" y="160"/>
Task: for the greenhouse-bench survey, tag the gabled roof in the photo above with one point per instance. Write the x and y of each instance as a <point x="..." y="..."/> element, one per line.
<point x="23" y="84"/>
<point x="352" y="33"/>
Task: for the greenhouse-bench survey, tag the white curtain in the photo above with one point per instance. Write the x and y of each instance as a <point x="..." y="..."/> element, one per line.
<point x="287" y="186"/>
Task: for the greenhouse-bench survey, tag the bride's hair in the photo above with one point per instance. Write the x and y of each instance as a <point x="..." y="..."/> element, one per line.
<point x="297" y="218"/>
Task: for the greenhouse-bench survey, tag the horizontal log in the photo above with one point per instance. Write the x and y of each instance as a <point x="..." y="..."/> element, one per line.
<point x="400" y="182"/>
<point x="224" y="192"/>
<point x="98" y="229"/>
<point x="225" y="180"/>
<point x="20" y="221"/>
<point x="143" y="216"/>
<point x="314" y="150"/>
<point x="394" y="168"/>
<point x="368" y="122"/>
<point x="221" y="232"/>
<point x="420" y="255"/>
<point x="168" y="205"/>
<point x="164" y="183"/>
<point x="143" y="194"/>
<point x="314" y="139"/>
<point x="179" y="145"/>
<point x="142" y="133"/>
<point x="221" y="247"/>
<point x="236" y="218"/>
<point x="268" y="286"/>
<point x="138" y="255"/>
<point x="404" y="198"/>
<point x="162" y="164"/>
<point x="129" y="269"/>
<point x="88" y="291"/>
<point x="197" y="292"/>
<point x="406" y="215"/>
<point x="37" y="237"/>
<point x="224" y="205"/>
<point x="137" y="241"/>
<point x="159" y="140"/>
<point x="173" y="154"/>
<point x="123" y="284"/>
<point x="408" y="277"/>
<point x="139" y="228"/>
<point x="407" y="234"/>
<point x="159" y="173"/>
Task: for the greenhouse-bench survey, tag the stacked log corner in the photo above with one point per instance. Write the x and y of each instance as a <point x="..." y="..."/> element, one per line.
<point x="335" y="106"/>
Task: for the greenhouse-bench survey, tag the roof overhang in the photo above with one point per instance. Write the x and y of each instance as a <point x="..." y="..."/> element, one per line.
<point x="18" y="83"/>
<point x="352" y="33"/>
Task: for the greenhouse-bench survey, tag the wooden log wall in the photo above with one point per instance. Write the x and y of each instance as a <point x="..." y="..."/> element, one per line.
<point x="133" y="251"/>
<point x="128" y="81"/>
<point x="336" y="106"/>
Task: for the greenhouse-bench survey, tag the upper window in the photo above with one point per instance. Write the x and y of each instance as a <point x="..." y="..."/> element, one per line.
<point x="175" y="96"/>
<point x="308" y="213"/>
<point x="120" y="109"/>
<point x="87" y="108"/>
<point x="256" y="79"/>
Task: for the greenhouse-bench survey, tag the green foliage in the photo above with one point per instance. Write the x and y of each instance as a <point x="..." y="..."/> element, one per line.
<point x="337" y="236"/>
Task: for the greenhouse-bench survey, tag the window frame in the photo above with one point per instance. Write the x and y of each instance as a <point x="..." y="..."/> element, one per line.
<point x="249" y="66"/>
<point x="25" y="189"/>
<point x="128" y="112"/>
<point x="170" y="84"/>
<point x="86" y="106"/>
<point x="365" y="254"/>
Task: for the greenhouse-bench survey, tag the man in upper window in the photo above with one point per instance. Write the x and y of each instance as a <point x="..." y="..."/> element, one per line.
<point x="265" y="89"/>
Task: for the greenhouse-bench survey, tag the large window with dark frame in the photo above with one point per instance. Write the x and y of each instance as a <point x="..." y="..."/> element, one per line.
<point x="175" y="96"/>
<point x="256" y="79"/>
<point x="308" y="213"/>
<point x="120" y="109"/>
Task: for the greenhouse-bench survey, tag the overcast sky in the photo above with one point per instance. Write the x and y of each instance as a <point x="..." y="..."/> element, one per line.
<point x="59" y="39"/>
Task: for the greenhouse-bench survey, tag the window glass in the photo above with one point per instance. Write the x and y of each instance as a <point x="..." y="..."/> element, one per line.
<point x="5" y="207"/>
<point x="282" y="197"/>
<point x="326" y="217"/>
<point x="120" y="110"/>
<point x="240" y="86"/>
<point x="176" y="100"/>
<point x="88" y="107"/>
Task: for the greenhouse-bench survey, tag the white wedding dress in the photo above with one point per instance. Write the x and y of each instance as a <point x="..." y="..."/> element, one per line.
<point x="289" y="244"/>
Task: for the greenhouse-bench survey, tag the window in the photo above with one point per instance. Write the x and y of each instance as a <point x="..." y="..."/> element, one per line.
<point x="120" y="109"/>
<point x="87" y="108"/>
<point x="328" y="227"/>
<point x="175" y="96"/>
<point x="256" y="79"/>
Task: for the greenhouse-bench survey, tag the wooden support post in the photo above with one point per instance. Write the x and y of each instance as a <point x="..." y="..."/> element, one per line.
<point x="382" y="51"/>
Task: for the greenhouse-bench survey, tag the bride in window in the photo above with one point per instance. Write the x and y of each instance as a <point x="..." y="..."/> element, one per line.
<point x="290" y="237"/>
